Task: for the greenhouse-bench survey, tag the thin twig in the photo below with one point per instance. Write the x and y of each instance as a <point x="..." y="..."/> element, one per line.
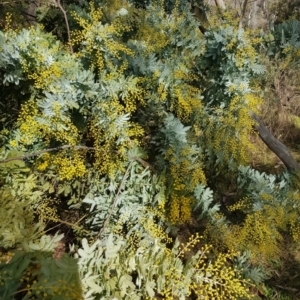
<point x="47" y="150"/>
<point x="67" y="223"/>
<point x="115" y="200"/>
<point x="45" y="231"/>
<point x="67" y="25"/>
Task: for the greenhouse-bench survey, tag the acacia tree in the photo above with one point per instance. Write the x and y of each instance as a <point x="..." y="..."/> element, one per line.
<point x="129" y="130"/>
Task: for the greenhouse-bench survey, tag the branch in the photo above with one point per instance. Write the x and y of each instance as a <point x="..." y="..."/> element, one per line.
<point x="138" y="159"/>
<point x="274" y="145"/>
<point x="67" y="223"/>
<point x="47" y="150"/>
<point x="67" y="25"/>
<point x="115" y="201"/>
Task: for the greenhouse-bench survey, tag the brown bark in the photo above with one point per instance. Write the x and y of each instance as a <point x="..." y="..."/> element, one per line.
<point x="30" y="14"/>
<point x="274" y="145"/>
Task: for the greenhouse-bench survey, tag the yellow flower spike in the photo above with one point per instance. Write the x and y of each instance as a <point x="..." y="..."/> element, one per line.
<point x="13" y="143"/>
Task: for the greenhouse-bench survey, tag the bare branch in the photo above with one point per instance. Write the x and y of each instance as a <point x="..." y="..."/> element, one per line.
<point x="274" y="145"/>
<point x="67" y="25"/>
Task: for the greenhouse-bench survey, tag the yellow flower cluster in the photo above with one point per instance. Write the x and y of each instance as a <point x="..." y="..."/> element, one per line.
<point x="253" y="102"/>
<point x="184" y="109"/>
<point x="57" y="131"/>
<point x="197" y="130"/>
<point x="288" y="49"/>
<point x="229" y="131"/>
<point x="176" y="280"/>
<point x="35" y="64"/>
<point x="135" y="131"/>
<point x="43" y="162"/>
<point x="262" y="231"/>
<point x="229" y="17"/>
<point x="131" y="100"/>
<point x="107" y="161"/>
<point x="180" y="209"/>
<point x="156" y="74"/>
<point x="190" y="245"/>
<point x="31" y="130"/>
<point x="175" y="10"/>
<point x="186" y="173"/>
<point x="211" y="279"/>
<point x="44" y="76"/>
<point x="162" y="206"/>
<point x="43" y="166"/>
<point x="244" y="53"/>
<point x="99" y="40"/>
<point x="69" y="165"/>
<point x="47" y="210"/>
<point x="46" y="289"/>
<point x="258" y="234"/>
<point x="162" y="92"/>
<point x="266" y="197"/>
<point x="112" y="156"/>
<point x="242" y="204"/>
<point x="155" y="230"/>
<point x="231" y="44"/>
<point x="295" y="228"/>
<point x="218" y="280"/>
<point x="154" y="38"/>
<point x="13" y="143"/>
<point x="8" y="22"/>
<point x="197" y="177"/>
<point x="124" y="219"/>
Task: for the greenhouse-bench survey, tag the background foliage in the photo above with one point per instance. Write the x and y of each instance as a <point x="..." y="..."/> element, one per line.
<point x="128" y="168"/>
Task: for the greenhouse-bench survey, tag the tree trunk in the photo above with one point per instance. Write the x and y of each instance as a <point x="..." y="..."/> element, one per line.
<point x="275" y="146"/>
<point x="220" y="4"/>
<point x="243" y="12"/>
<point x="30" y="13"/>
